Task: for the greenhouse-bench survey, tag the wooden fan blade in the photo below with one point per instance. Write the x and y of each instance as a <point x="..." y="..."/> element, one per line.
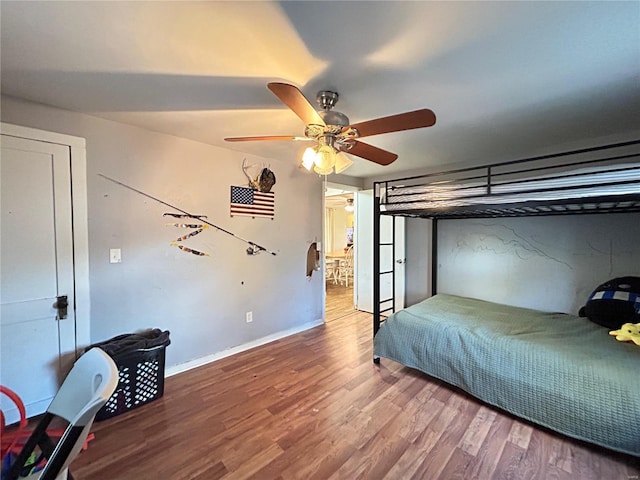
<point x="396" y="123"/>
<point x="371" y="153"/>
<point x="296" y="101"/>
<point x="253" y="139"/>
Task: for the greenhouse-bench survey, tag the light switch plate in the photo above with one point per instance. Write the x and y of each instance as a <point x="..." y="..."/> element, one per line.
<point x="115" y="256"/>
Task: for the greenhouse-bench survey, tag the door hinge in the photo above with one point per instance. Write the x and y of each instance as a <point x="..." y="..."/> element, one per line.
<point x="62" y="304"/>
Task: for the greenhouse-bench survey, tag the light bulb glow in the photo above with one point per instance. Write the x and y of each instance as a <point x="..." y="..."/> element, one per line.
<point x="326" y="157"/>
<point x="322" y="171"/>
<point x="349" y="206"/>
<point x="308" y="158"/>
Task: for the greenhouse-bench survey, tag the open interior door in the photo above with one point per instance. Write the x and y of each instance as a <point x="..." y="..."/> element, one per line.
<point x="392" y="255"/>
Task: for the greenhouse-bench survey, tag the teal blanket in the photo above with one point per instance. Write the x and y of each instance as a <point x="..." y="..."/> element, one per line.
<point x="557" y="370"/>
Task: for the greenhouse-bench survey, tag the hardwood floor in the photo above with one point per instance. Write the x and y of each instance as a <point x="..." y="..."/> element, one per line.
<point x="339" y="301"/>
<point x="314" y="406"/>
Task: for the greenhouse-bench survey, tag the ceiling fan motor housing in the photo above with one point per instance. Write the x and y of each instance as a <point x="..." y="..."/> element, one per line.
<point x="327" y="100"/>
<point x="331" y="117"/>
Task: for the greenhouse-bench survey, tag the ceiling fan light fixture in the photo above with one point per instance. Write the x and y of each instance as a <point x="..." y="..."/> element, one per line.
<point x="342" y="162"/>
<point x="349" y="206"/>
<point x="326" y="157"/>
<point x="322" y="171"/>
<point x="325" y="160"/>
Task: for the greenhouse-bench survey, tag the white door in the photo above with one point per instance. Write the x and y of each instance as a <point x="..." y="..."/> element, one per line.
<point x="36" y="266"/>
<point x="363" y="284"/>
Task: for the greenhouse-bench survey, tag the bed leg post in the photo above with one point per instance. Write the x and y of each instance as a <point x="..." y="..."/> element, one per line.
<point x="376" y="360"/>
<point x="434" y="256"/>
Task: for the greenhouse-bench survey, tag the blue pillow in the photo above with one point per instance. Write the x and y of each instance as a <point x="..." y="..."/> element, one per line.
<point x="614" y="303"/>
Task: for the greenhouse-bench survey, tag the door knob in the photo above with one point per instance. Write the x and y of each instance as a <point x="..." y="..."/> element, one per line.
<point x="62" y="304"/>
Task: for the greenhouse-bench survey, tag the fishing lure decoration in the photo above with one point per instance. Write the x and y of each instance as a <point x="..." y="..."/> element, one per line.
<point x="199" y="227"/>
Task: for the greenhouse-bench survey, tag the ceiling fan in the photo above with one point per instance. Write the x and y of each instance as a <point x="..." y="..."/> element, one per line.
<point x="333" y="134"/>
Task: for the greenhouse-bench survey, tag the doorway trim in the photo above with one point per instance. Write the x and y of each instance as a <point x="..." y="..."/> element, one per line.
<point x="346" y="188"/>
<point x="80" y="234"/>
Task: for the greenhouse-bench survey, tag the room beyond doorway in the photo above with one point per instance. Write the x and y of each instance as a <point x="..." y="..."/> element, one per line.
<point x="338" y="238"/>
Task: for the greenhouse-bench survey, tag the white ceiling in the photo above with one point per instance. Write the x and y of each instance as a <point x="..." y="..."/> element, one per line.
<point x="505" y="79"/>
<point x="336" y="200"/>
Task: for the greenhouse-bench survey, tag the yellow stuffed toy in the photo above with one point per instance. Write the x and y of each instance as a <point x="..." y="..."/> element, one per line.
<point x="629" y="332"/>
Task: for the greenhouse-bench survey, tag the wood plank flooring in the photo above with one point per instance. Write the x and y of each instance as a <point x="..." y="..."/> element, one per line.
<point x="314" y="406"/>
<point x="339" y="301"/>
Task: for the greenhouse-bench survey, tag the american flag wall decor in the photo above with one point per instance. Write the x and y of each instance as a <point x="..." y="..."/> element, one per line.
<point x="252" y="203"/>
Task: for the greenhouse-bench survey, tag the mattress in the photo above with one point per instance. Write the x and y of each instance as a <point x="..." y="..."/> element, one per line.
<point x="560" y="371"/>
<point x="583" y="183"/>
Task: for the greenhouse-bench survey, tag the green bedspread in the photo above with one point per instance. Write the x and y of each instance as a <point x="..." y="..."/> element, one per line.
<point x="557" y="370"/>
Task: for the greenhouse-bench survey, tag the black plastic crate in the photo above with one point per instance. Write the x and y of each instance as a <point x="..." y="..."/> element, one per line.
<point x="141" y="380"/>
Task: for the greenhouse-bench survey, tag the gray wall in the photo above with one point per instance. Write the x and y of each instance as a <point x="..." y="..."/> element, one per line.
<point x="547" y="263"/>
<point x="201" y="300"/>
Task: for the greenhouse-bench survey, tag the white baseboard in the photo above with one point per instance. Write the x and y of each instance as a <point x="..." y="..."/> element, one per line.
<point x="12" y="414"/>
<point x="183" y="367"/>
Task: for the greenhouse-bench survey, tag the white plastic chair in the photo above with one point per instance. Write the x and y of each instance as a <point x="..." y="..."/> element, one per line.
<point x="88" y="386"/>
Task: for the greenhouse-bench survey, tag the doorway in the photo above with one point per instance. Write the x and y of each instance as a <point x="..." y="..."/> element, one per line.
<point x="343" y="299"/>
<point x="340" y="244"/>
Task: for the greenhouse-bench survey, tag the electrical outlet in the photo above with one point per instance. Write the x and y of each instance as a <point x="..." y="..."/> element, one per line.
<point x="249" y="317"/>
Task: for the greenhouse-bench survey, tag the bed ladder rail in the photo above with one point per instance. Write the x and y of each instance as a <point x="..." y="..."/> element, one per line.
<point x="382" y="306"/>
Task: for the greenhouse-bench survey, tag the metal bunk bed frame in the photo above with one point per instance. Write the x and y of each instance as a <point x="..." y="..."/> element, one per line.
<point x="488" y="177"/>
